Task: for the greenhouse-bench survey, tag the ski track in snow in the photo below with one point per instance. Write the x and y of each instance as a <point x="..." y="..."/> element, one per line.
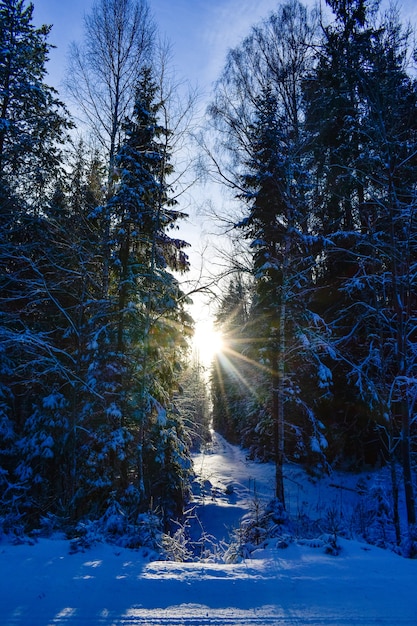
<point x="44" y="585"/>
<point x="227" y="484"/>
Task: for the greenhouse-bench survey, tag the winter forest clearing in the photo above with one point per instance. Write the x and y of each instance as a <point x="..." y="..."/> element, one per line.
<point x="258" y="465"/>
<point x="44" y="584"/>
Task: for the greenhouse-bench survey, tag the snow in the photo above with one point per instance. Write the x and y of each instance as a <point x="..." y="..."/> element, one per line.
<point x="45" y="585"/>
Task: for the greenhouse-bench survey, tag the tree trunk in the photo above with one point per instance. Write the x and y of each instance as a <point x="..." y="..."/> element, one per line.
<point x="278" y="413"/>
<point x="278" y="417"/>
<point x="406" y="462"/>
<point x="394" y="484"/>
<point x="400" y="274"/>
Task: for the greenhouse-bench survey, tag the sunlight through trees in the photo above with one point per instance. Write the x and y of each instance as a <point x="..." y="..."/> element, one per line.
<point x="107" y="384"/>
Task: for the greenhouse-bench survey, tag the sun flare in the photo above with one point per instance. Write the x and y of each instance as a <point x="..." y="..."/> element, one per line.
<point x="207" y="342"/>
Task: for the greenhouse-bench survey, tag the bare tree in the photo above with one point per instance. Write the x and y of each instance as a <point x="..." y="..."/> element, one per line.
<point x="102" y="77"/>
<point x="103" y="70"/>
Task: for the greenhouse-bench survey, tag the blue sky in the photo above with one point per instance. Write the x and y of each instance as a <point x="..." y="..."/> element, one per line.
<point x="200" y="31"/>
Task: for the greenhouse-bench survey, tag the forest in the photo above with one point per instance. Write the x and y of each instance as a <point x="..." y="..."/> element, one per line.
<point x="312" y="130"/>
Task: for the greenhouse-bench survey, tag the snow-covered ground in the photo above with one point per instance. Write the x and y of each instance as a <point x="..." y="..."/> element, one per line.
<point x="44" y="585"/>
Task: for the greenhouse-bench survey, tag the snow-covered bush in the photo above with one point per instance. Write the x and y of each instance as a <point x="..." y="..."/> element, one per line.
<point x="256" y="527"/>
<point x="373" y="516"/>
<point x="118" y="527"/>
<point x="12" y="526"/>
<point x="176" y="547"/>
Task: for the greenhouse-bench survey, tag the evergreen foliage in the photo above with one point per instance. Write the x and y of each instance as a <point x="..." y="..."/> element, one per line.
<point x="93" y="330"/>
<point x="317" y="128"/>
<point x="320" y="146"/>
<point x="33" y="121"/>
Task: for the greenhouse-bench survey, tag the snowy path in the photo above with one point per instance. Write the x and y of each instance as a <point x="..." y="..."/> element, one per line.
<point x="227" y="484"/>
<point x="44" y="585"/>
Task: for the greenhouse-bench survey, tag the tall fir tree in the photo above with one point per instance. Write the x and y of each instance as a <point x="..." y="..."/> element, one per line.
<point x="33" y="128"/>
<point x="260" y="110"/>
<point x="139" y="347"/>
<point x="365" y="147"/>
<point x="33" y="121"/>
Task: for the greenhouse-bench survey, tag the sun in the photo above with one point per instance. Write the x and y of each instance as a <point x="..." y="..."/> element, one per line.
<point x="207" y="342"/>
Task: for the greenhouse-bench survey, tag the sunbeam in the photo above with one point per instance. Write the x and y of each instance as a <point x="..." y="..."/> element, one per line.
<point x="207" y="342"/>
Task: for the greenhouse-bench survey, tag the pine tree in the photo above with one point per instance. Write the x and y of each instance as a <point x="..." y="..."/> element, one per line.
<point x="334" y="116"/>
<point x="366" y="171"/>
<point x="33" y="121"/>
<point x="260" y="110"/>
<point x="137" y="351"/>
<point x="33" y="127"/>
<point x="388" y="167"/>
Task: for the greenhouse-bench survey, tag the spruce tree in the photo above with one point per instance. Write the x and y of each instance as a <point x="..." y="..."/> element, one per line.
<point x="33" y="121"/>
<point x="33" y="127"/>
<point x="139" y="348"/>
<point x="259" y="109"/>
<point x="365" y="147"/>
